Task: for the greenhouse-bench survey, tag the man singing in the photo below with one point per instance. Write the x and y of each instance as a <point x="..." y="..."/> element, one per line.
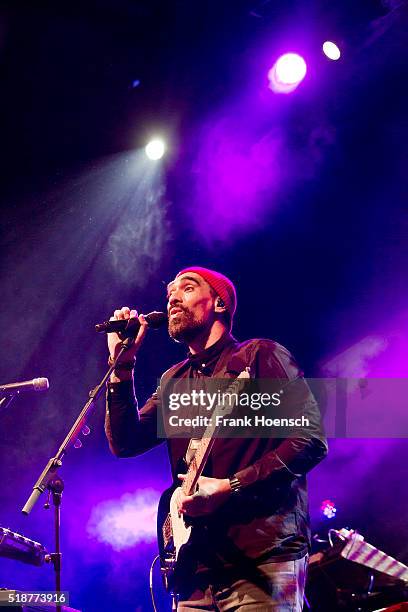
<point x="252" y="498"/>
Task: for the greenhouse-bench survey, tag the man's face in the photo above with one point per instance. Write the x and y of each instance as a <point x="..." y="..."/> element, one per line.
<point x="190" y="306"/>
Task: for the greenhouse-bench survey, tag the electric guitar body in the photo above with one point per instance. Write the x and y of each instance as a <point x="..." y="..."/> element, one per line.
<point x="178" y="538"/>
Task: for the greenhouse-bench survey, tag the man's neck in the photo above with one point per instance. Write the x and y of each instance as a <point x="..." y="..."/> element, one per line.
<point x="207" y="338"/>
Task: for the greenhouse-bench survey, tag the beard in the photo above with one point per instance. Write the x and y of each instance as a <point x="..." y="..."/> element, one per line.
<point x="184" y="327"/>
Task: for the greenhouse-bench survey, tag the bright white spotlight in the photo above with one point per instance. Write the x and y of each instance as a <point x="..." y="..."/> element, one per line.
<point x="155" y="149"/>
<point x="331" y="50"/>
<point x="287" y="72"/>
<point x="290" y="68"/>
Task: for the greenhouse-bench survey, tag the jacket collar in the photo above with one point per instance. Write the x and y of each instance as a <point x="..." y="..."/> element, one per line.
<point x="210" y="355"/>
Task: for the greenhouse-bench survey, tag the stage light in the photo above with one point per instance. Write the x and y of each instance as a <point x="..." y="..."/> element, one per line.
<point x="288" y="71"/>
<point x="331" y="50"/>
<point x="328" y="509"/>
<point x="155" y="149"/>
<point x="290" y="68"/>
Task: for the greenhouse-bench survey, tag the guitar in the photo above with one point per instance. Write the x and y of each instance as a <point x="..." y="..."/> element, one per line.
<point x="175" y="531"/>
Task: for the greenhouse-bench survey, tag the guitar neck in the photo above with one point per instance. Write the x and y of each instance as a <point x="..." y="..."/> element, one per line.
<point x="199" y="460"/>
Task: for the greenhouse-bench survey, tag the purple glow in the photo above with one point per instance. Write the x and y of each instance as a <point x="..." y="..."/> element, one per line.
<point x="242" y="169"/>
<point x="331" y="50"/>
<point x="356" y="360"/>
<point x="287" y="73"/>
<point x="382" y="354"/>
<point x="237" y="177"/>
<point x="376" y="368"/>
<point x="125" y="522"/>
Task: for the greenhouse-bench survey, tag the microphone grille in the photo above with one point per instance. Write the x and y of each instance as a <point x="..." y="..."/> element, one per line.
<point x="41" y="384"/>
<point x="156" y="319"/>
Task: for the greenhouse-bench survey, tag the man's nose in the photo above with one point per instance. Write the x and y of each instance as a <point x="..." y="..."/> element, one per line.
<point x="175" y="298"/>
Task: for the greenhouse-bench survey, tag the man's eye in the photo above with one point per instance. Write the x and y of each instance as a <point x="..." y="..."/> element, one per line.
<point x="189" y="288"/>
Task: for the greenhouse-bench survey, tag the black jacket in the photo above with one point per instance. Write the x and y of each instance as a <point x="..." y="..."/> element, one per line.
<point x="269" y="518"/>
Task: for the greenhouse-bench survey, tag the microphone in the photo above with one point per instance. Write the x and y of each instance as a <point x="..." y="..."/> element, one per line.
<point x="37" y="384"/>
<point x="130" y="327"/>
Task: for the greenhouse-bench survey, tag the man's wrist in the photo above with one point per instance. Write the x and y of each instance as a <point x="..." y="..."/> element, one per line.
<point x="225" y="485"/>
<point x="123" y="364"/>
<point x="123" y="369"/>
<point x="118" y="377"/>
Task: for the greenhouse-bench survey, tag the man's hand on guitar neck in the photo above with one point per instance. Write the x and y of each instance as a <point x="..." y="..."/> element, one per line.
<point x="211" y="494"/>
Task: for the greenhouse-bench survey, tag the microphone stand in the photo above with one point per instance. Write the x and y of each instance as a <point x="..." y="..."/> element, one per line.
<point x="6" y="401"/>
<point x="49" y="477"/>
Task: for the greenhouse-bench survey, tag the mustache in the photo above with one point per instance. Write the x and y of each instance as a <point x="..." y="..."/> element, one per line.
<point x="179" y="308"/>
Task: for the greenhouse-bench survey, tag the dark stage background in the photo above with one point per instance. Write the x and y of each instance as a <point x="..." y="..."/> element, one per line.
<point x="301" y="199"/>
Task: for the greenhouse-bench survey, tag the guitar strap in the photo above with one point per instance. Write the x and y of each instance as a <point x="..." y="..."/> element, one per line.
<point x="225" y="364"/>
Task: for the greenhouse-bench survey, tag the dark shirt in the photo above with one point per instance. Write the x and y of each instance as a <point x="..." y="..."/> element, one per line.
<point x="269" y="518"/>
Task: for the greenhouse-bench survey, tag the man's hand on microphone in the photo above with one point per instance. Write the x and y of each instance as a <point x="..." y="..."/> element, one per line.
<point x="114" y="342"/>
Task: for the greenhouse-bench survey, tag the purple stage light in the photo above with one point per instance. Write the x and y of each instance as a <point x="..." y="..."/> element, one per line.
<point x="287" y="73"/>
<point x="123" y="523"/>
<point x="331" y="50"/>
<point x="328" y="509"/>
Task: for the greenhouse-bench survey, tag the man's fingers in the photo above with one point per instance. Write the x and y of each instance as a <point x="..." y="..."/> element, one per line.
<point x="143" y="329"/>
<point x="143" y="322"/>
<point x="124" y="313"/>
<point x="186" y="504"/>
<point x="115" y="339"/>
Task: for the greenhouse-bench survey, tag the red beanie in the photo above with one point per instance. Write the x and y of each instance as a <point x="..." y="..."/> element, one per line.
<point x="220" y="283"/>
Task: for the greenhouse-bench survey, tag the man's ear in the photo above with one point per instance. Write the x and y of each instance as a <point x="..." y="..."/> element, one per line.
<point x="219" y="305"/>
